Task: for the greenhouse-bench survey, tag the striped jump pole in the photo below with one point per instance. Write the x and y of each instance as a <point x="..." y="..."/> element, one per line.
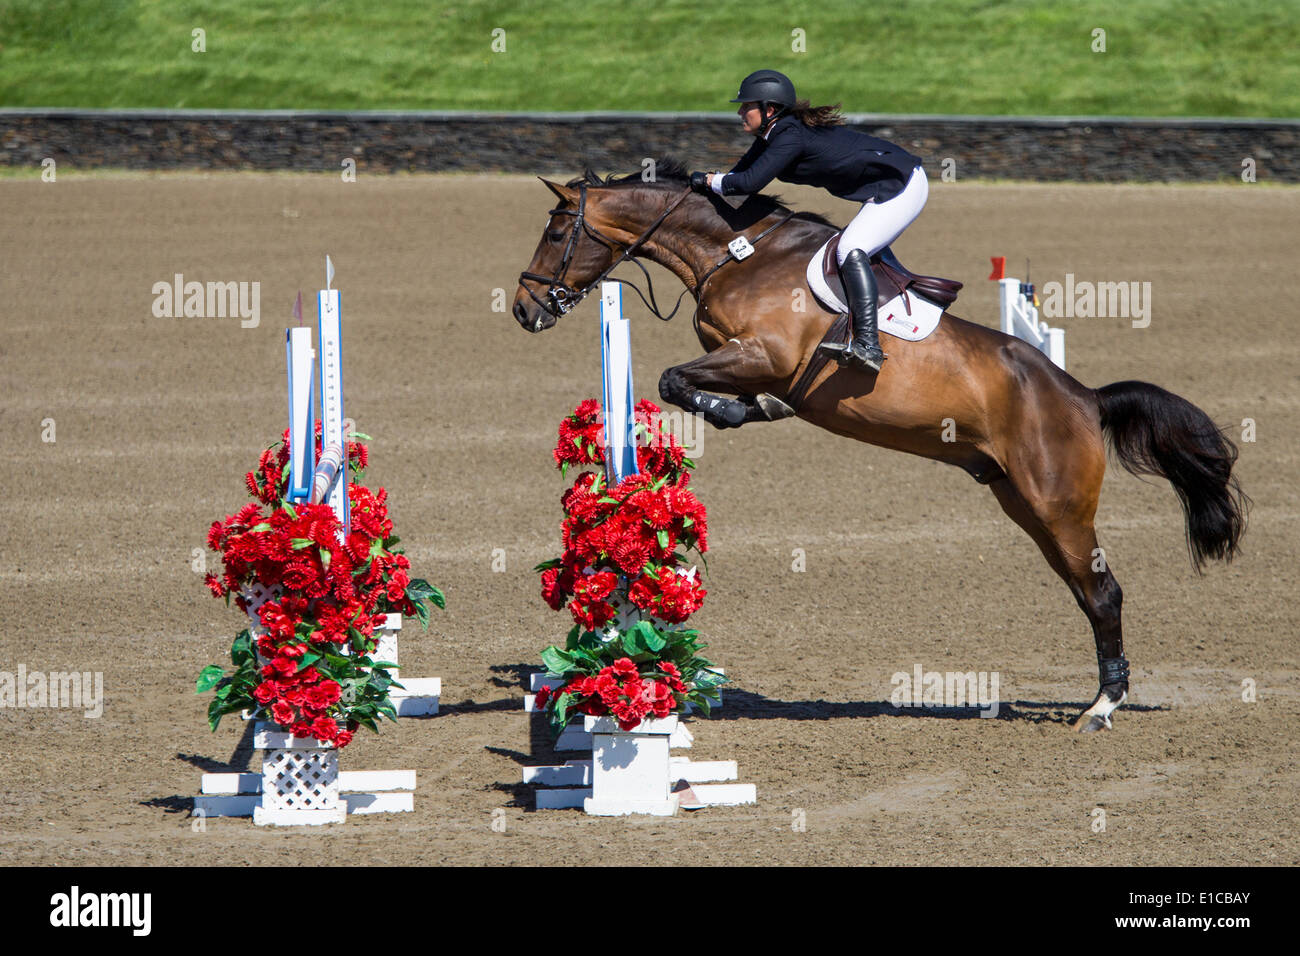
<point x="616" y="374"/>
<point x="330" y="336"/>
<point x="302" y="413"/>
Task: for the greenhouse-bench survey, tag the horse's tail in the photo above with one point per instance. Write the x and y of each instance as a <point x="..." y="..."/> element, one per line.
<point x="1155" y="432"/>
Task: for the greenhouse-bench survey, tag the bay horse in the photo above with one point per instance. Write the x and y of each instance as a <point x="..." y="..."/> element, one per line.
<point x="1032" y="433"/>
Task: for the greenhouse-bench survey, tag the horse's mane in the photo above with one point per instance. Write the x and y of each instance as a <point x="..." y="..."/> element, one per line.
<point x="668" y="170"/>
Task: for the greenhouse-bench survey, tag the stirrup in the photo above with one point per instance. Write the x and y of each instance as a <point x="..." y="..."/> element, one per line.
<point x="834" y="349"/>
<point x="872" y="358"/>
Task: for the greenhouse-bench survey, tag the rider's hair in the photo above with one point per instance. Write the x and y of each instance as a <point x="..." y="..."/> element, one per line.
<point x="817" y="115"/>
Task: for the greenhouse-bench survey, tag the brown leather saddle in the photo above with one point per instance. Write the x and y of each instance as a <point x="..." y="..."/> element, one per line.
<point x="892" y="279"/>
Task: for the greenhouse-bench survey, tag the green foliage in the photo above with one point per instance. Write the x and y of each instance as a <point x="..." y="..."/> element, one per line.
<point x="422" y="593"/>
<point x="1163" y="57"/>
<point x="648" y="645"/>
<point x="364" y="683"/>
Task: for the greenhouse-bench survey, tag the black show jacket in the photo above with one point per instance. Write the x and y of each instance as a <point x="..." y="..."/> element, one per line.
<point x="849" y="164"/>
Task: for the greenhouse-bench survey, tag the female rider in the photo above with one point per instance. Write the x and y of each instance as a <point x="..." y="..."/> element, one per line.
<point x="810" y="146"/>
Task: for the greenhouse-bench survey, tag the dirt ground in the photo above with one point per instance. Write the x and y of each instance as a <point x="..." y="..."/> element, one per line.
<point x="907" y="562"/>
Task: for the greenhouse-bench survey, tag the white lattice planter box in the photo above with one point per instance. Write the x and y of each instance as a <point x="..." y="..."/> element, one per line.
<point x="690" y="784"/>
<point x="629" y="768"/>
<point x="300" y="782"/>
<point x="386" y="645"/>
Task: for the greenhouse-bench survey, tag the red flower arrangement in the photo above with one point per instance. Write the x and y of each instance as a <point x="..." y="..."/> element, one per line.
<point x="625" y="691"/>
<point x="624" y="581"/>
<point x="311" y="669"/>
<point x="632" y="530"/>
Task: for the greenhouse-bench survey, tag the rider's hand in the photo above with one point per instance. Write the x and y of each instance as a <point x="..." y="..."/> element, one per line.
<point x="700" y="183"/>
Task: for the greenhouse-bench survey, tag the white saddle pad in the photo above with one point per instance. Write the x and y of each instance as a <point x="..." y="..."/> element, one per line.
<point x="911" y="318"/>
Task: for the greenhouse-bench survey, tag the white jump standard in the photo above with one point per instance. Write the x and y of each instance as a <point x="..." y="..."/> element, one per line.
<point x="629" y="771"/>
<point x="300" y="782"/>
<point x="1019" y="316"/>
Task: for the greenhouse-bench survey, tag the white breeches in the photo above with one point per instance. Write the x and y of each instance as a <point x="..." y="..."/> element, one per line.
<point x="878" y="224"/>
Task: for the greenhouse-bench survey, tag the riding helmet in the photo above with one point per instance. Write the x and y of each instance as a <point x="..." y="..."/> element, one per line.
<point x="766" y="86"/>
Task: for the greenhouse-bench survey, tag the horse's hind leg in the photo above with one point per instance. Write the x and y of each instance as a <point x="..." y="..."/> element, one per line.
<point x="1069" y="543"/>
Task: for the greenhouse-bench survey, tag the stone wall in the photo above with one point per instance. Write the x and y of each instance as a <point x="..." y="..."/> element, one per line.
<point x="1047" y="149"/>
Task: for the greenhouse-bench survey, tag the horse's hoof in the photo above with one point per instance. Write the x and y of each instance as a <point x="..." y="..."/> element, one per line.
<point x="773" y="407"/>
<point x="1091" y="723"/>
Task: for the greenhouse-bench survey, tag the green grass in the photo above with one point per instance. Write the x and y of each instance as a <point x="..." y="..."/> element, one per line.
<point x="1163" y="57"/>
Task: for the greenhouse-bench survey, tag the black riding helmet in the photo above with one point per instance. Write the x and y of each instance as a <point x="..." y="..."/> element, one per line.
<point x="767" y="86"/>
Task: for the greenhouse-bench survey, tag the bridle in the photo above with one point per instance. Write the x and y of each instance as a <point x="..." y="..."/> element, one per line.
<point x="561" y="297"/>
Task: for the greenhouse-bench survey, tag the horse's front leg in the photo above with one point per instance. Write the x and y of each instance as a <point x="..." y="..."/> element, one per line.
<point x="733" y="367"/>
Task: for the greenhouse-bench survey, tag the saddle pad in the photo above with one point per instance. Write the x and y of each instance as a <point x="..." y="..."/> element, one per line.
<point x="893" y="317"/>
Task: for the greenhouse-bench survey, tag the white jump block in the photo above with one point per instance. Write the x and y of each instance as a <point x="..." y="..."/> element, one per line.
<point x="271" y="817"/>
<point x="417" y="697"/>
<point x="701" y="771"/>
<point x="231" y="783"/>
<point x="231" y="806"/>
<point x="705" y="795"/>
<point x="626" y="806"/>
<point x="724" y="794"/>
<point x="563" y="798"/>
<point x="359" y="781"/>
<point x="574" y="773"/>
<point x="363" y="803"/>
<point x="577" y="773"/>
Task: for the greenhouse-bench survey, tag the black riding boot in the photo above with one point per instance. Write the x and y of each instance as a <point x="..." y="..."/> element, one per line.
<point x="860" y="287"/>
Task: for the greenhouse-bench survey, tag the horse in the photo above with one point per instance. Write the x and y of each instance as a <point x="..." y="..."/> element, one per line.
<point x="1033" y="434"/>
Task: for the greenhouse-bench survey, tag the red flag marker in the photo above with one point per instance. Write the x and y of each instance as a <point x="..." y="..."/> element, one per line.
<point x="999" y="267"/>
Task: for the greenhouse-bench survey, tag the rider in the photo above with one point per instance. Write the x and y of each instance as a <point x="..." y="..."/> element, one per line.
<point x="811" y="146"/>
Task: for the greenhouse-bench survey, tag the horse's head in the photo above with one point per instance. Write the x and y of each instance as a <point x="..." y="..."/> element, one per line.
<point x="572" y="254"/>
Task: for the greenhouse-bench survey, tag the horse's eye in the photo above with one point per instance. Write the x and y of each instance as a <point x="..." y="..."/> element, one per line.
<point x="555" y="236"/>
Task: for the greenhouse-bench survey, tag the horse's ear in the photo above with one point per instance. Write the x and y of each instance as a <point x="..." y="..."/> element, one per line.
<point x="563" y="192"/>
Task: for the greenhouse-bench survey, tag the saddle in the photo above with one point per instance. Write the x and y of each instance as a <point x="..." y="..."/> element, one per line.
<point x="893" y="278"/>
